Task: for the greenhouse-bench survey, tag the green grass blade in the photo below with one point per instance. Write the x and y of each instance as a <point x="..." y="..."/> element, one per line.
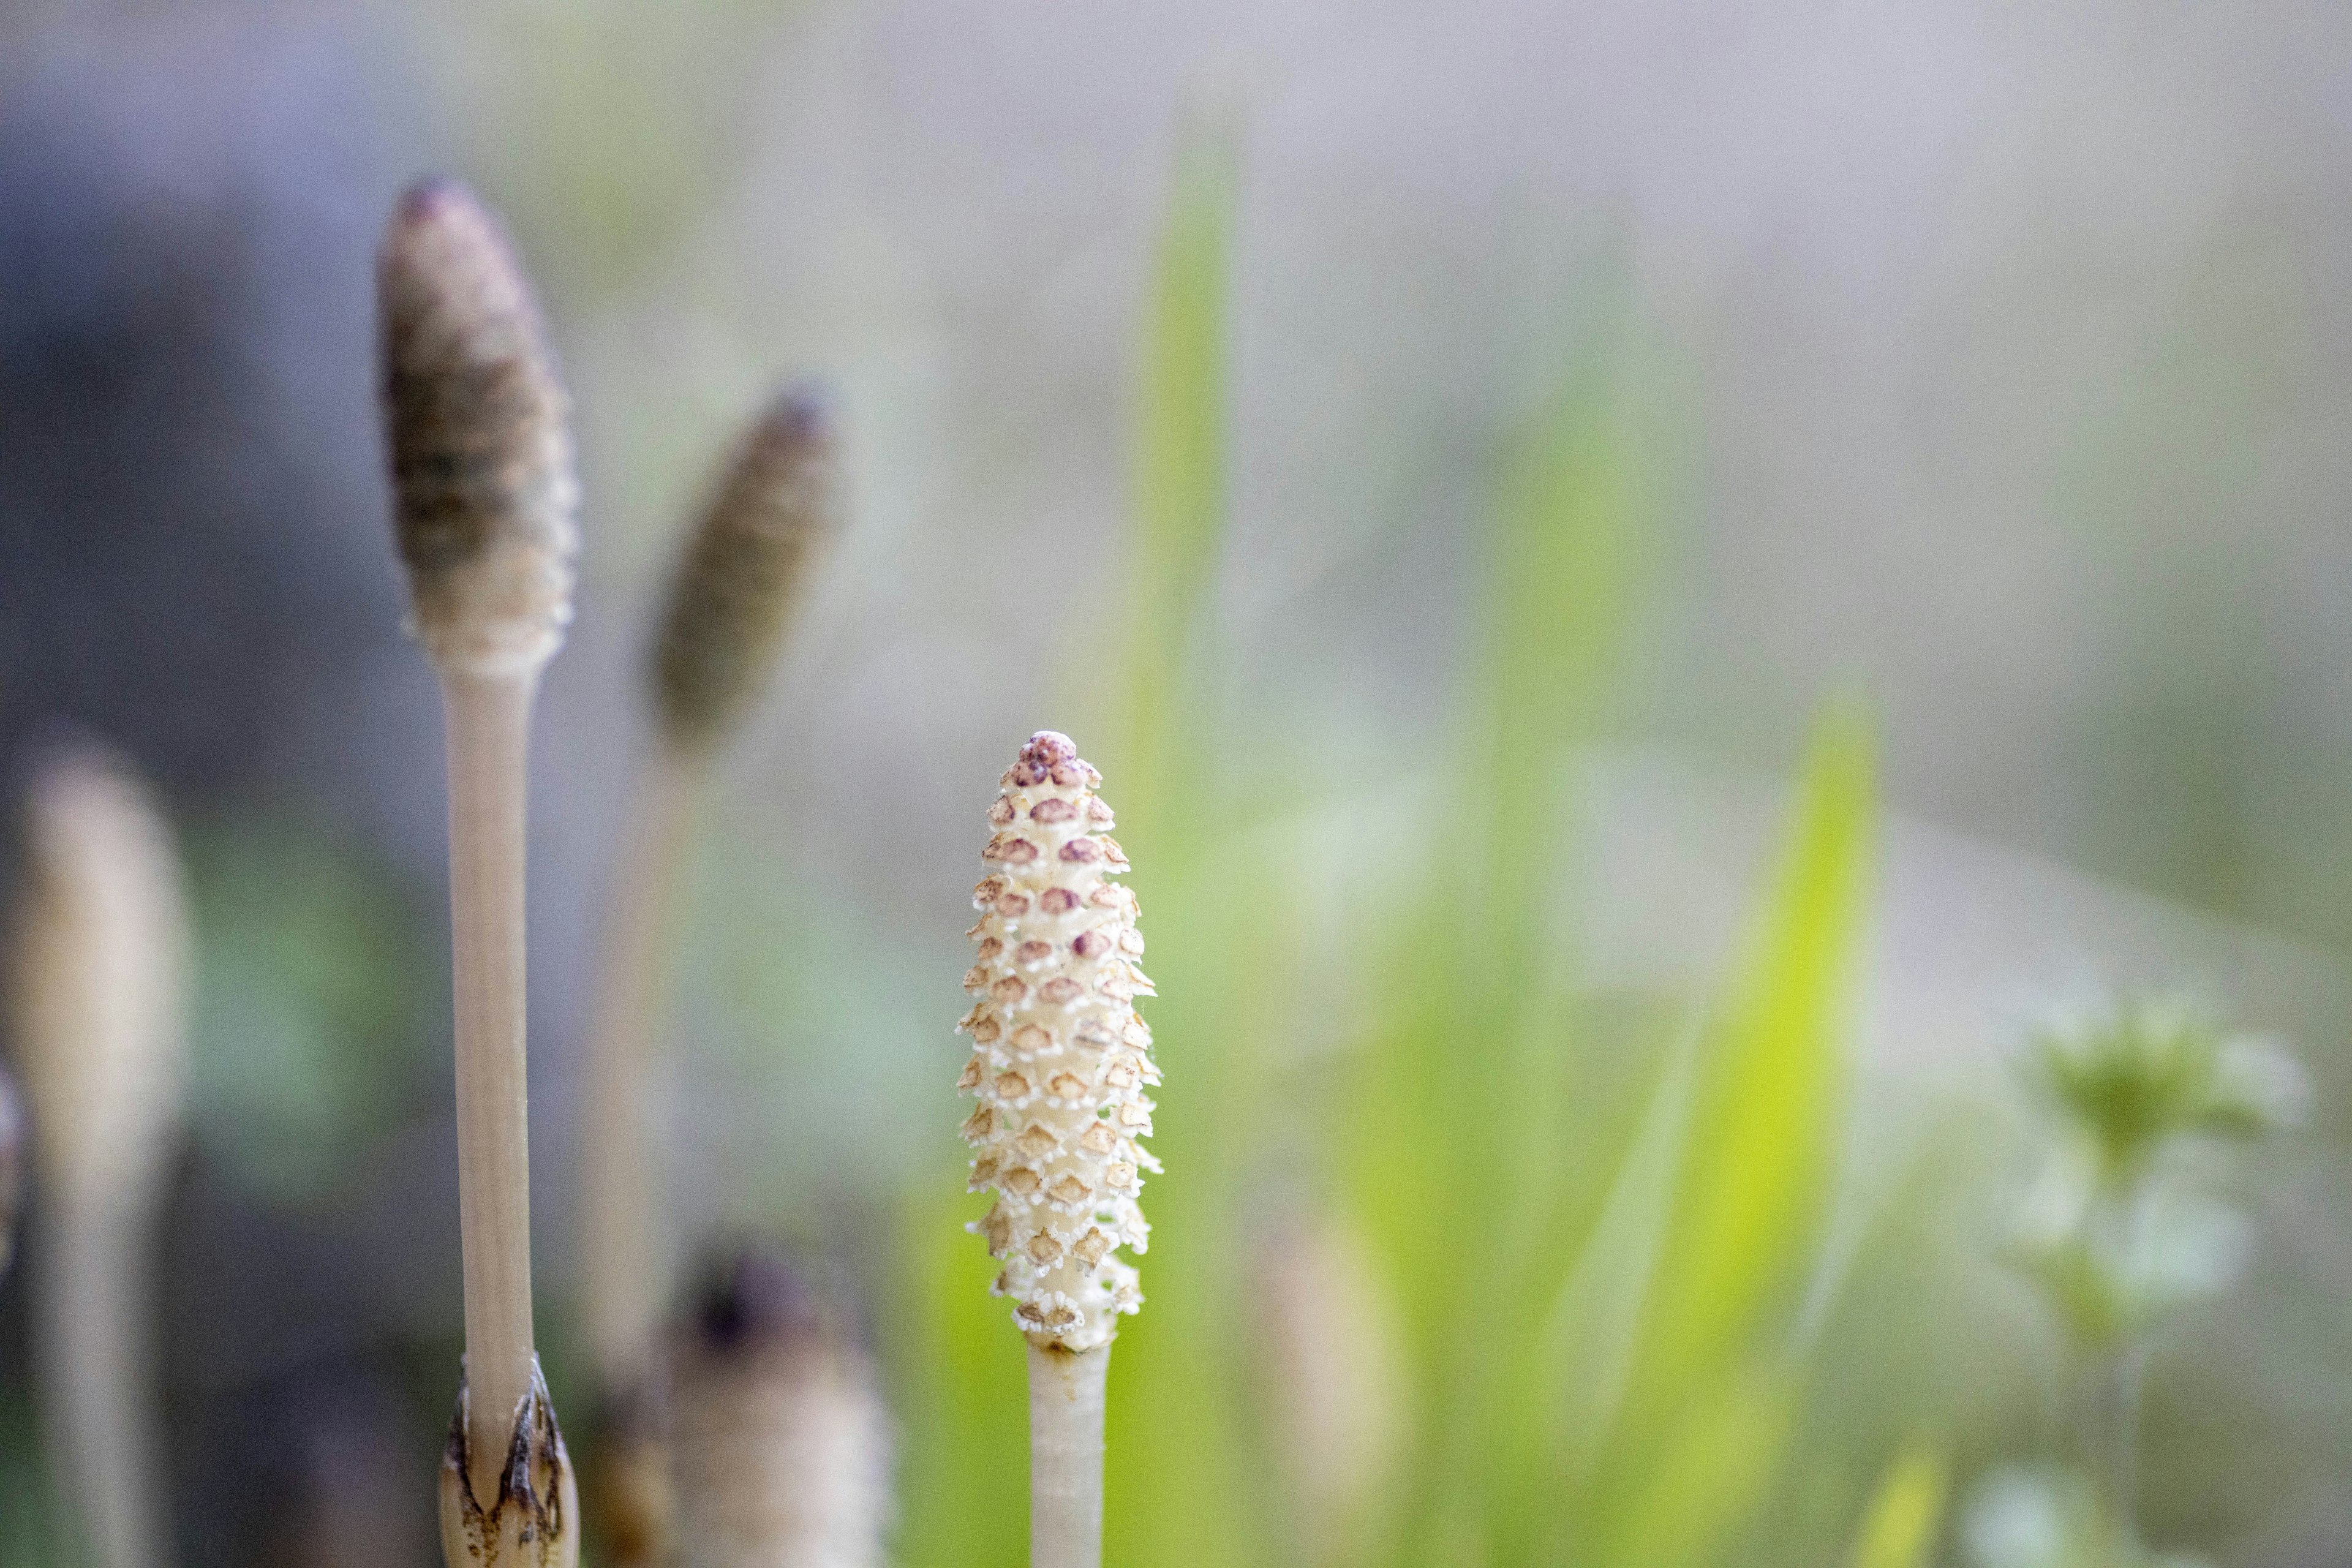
<point x="1768" y="1126"/>
<point x="1585" y="1350"/>
<point x="1706" y="1480"/>
<point x="1574" y="517"/>
<point x="1899" y="1529"/>
<point x="1180" y="477"/>
<point x="964" y="1497"/>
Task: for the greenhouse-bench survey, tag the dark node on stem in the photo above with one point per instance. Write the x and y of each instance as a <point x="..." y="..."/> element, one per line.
<point x="742" y="572"/>
<point x="531" y="1515"/>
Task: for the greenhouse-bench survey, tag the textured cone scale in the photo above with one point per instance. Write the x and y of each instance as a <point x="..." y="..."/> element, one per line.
<point x="476" y="424"/>
<point x="1060" y="1060"/>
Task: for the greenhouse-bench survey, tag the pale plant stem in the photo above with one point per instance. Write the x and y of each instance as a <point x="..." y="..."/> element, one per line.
<point x="490" y="736"/>
<point x="623" y="1258"/>
<point x="97" y="1376"/>
<point x="2123" y="1439"/>
<point x="1066" y="1398"/>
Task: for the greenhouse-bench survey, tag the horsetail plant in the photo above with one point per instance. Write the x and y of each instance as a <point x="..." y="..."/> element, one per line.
<point x="1060" y="1062"/>
<point x="97" y="996"/>
<point x="779" y="1442"/>
<point x="731" y="603"/>
<point x="484" y="494"/>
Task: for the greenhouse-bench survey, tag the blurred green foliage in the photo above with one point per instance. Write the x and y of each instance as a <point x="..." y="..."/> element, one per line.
<point x="1596" y="1309"/>
<point x="1900" y="1528"/>
<point x="311" y="1035"/>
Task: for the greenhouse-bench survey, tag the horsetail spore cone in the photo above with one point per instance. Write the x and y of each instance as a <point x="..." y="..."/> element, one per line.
<point x="1059" y="1064"/>
<point x="484" y="493"/>
<point x="743" y="572"/>
<point x="780" y="1440"/>
<point x="98" y="1018"/>
<point x="1060" y="1059"/>
<point x="476" y="422"/>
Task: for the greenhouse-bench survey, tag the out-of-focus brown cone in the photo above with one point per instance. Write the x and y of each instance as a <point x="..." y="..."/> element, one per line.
<point x="1332" y="1373"/>
<point x="745" y="568"/>
<point x="97" y="1001"/>
<point x="780" y="1443"/>
<point x="731" y="604"/>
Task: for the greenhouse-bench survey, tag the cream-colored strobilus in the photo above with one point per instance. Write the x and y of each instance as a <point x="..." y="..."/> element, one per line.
<point x="98" y="1012"/>
<point x="1060" y="1063"/>
<point x="476" y="423"/>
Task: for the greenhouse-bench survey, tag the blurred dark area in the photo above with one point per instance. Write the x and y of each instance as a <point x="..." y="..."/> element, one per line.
<point x="192" y="532"/>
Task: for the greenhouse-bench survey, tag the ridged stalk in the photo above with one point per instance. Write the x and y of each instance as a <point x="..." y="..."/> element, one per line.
<point x="1068" y="1393"/>
<point x="488" y="726"/>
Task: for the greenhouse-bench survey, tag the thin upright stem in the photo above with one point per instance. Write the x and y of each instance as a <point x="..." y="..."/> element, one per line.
<point x="623" y="1258"/>
<point x="98" y="1375"/>
<point x="1066" y="1398"/>
<point x="489" y="734"/>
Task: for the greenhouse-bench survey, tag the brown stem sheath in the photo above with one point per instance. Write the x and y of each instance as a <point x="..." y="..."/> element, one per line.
<point x="528" y="1519"/>
<point x="1066" y="1398"/>
<point x="490" y="732"/>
